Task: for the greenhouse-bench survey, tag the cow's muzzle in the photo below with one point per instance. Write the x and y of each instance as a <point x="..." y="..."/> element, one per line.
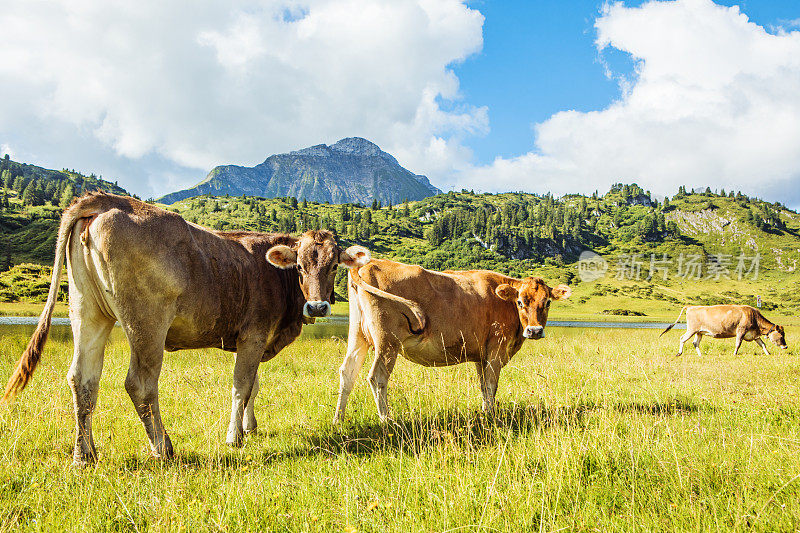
<point x="316" y="309"/>
<point x="533" y="332"/>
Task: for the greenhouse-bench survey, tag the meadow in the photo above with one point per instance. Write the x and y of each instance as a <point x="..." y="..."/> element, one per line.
<point x="596" y="430"/>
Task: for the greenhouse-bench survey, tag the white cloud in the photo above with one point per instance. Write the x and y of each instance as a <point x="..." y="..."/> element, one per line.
<point x="715" y="101"/>
<point x="189" y="85"/>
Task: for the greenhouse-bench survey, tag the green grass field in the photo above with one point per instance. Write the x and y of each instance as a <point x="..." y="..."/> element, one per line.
<point x="596" y="430"/>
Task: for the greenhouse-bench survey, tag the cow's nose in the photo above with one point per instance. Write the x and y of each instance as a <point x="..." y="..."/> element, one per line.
<point x="317" y="309"/>
<point x="534" y="332"/>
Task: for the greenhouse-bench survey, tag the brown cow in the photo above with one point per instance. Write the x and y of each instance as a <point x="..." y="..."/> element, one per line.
<point x="175" y="285"/>
<point x="726" y="321"/>
<point x="438" y="319"/>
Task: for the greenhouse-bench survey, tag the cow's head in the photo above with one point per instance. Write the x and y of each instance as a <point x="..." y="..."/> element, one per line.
<point x="532" y="297"/>
<point x="778" y="336"/>
<point x="316" y="256"/>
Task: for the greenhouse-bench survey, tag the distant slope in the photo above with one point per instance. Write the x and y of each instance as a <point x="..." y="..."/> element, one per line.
<point x="353" y="170"/>
<point x="31" y="200"/>
<point x="22" y="174"/>
<point x="527" y="234"/>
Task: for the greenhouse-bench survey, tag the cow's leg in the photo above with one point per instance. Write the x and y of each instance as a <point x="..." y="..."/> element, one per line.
<point x="249" y="424"/>
<point x="357" y="348"/>
<point x="685" y="337"/>
<point x="90" y="330"/>
<point x="147" y="332"/>
<point x="248" y="356"/>
<point x="385" y="358"/>
<point x="147" y="356"/>
<point x="763" y="346"/>
<point x="697" y="338"/>
<point x="739" y="338"/>
<point x="488" y="376"/>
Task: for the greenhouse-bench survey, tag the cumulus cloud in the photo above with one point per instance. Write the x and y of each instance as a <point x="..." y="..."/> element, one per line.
<point x="182" y="86"/>
<point x="715" y="100"/>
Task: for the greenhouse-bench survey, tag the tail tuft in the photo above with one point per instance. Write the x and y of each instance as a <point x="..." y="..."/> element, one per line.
<point x="30" y="358"/>
<point x="668" y="328"/>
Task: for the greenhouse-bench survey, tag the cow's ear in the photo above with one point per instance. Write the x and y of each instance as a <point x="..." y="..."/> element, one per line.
<point x="506" y="292"/>
<point x="282" y="256"/>
<point x="560" y="292"/>
<point x="355" y="256"/>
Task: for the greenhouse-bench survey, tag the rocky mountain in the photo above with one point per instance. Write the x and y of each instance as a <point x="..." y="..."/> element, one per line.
<point x="353" y="170"/>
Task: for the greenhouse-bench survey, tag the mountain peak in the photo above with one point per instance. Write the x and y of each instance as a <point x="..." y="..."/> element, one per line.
<point x="350" y="170"/>
<point x="356" y="146"/>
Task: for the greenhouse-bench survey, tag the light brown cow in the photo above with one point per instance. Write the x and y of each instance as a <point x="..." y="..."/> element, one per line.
<point x="438" y="319"/>
<point x="727" y="321"/>
<point x="175" y="285"/>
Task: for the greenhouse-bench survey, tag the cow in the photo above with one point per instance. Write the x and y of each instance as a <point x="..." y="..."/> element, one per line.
<point x="175" y="285"/>
<point x="438" y="319"/>
<point x="726" y="321"/>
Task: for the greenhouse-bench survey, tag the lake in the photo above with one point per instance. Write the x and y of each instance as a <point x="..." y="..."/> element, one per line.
<point x="335" y="326"/>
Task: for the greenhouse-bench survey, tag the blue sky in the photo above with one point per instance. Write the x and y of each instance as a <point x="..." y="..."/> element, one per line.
<point x="488" y="95"/>
<point x="539" y="58"/>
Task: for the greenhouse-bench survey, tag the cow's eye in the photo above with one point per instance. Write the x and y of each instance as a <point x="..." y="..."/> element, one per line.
<point x="299" y="268"/>
<point x="547" y="304"/>
<point x="519" y="304"/>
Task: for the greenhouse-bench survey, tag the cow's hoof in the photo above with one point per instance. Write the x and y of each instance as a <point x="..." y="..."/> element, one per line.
<point x="236" y="441"/>
<point x="82" y="459"/>
<point x="163" y="450"/>
<point x="251" y="430"/>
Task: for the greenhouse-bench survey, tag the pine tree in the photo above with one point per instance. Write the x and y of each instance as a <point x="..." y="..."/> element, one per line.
<point x="29" y="194"/>
<point x="67" y="196"/>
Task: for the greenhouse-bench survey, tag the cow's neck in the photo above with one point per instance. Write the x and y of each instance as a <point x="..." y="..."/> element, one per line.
<point x="764" y="325"/>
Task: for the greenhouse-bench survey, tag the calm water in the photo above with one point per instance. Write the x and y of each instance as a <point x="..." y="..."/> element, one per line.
<point x="335" y="327"/>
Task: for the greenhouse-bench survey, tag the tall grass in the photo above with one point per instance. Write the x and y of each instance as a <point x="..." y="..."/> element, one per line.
<point x="595" y="430"/>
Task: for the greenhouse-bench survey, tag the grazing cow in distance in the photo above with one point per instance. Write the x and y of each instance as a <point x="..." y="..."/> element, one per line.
<point x="438" y="319"/>
<point x="726" y="321"/>
<point x="175" y="285"/>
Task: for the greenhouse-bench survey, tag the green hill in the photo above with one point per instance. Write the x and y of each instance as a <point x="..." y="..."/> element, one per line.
<point x="31" y="200"/>
<point x="703" y="239"/>
<point x="521" y="234"/>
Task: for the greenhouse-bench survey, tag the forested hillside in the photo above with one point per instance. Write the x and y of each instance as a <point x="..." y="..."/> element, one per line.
<point x="31" y="200"/>
<point x="512" y="232"/>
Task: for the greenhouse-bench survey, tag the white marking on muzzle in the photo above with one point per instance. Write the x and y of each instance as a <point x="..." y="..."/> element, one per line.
<point x="532" y="331"/>
<point x="324" y="304"/>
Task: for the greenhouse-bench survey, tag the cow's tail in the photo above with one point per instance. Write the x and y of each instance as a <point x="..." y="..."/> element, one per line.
<point x="30" y="357"/>
<point x="414" y="307"/>
<point x="676" y="321"/>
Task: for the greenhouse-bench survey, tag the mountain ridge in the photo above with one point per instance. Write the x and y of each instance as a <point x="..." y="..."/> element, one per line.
<point x="351" y="170"/>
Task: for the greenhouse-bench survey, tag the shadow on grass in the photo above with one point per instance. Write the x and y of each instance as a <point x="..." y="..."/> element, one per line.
<point x="412" y="434"/>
